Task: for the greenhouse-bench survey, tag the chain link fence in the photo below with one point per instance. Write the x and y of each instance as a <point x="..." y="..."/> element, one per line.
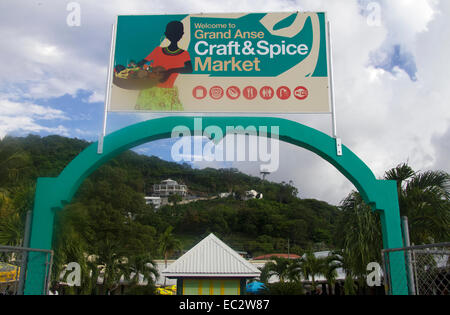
<point x="13" y="265"/>
<point x="427" y="267"/>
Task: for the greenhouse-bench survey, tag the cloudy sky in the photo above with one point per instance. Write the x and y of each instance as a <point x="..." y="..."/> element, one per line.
<point x="390" y="67"/>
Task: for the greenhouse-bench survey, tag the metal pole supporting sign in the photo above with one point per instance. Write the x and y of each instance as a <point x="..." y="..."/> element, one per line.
<point x="333" y="105"/>
<point x="108" y="90"/>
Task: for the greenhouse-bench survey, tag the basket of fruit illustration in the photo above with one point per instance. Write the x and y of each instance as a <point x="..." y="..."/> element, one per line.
<point x="134" y="77"/>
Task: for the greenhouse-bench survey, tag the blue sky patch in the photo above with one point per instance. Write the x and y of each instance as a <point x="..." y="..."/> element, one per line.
<point x="395" y="56"/>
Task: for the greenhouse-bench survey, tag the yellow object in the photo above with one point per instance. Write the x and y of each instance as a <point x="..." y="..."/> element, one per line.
<point x="124" y="73"/>
<point x="9" y="273"/>
<point x="170" y="290"/>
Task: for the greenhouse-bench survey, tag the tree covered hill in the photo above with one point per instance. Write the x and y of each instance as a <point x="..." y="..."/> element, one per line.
<point x="109" y="220"/>
<point x="256" y="226"/>
<point x="116" y="190"/>
<point x="25" y="159"/>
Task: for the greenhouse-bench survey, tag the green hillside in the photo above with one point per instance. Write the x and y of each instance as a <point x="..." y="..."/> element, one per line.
<point x="108" y="219"/>
<point x="116" y="190"/>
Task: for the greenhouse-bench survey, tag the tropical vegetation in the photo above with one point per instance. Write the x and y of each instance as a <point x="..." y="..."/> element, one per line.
<point x="115" y="236"/>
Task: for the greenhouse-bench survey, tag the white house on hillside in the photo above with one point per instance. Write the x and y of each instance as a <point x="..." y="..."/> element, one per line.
<point x="169" y="187"/>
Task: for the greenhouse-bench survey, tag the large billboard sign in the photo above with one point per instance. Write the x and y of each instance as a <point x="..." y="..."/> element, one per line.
<point x="221" y="63"/>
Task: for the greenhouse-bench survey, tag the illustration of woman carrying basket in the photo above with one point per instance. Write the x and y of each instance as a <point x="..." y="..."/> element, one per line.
<point x="168" y="62"/>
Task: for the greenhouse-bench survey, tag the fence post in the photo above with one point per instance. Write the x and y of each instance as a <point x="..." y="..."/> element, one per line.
<point x="26" y="243"/>
<point x="412" y="288"/>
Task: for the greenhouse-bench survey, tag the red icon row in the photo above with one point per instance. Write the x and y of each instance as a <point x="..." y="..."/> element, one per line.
<point x="249" y="92"/>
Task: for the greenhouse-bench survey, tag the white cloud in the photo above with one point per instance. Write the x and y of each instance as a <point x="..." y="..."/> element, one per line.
<point x="27" y="124"/>
<point x="24" y="117"/>
<point x="96" y="97"/>
<point x="407" y="18"/>
<point x="84" y="133"/>
<point x="383" y="117"/>
<point x="10" y="109"/>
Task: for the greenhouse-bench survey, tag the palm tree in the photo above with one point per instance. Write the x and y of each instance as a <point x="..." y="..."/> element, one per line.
<point x="345" y="260"/>
<point x="278" y="266"/>
<point x="11" y="224"/>
<point x="331" y="265"/>
<point x="115" y="265"/>
<point x="360" y="238"/>
<point x="145" y="266"/>
<point x="264" y="275"/>
<point x="5" y="200"/>
<point x="92" y="273"/>
<point x="11" y="230"/>
<point x="360" y="235"/>
<point x="425" y="199"/>
<point x="70" y="246"/>
<point x="400" y="174"/>
<point x="310" y="266"/>
<point x="168" y="244"/>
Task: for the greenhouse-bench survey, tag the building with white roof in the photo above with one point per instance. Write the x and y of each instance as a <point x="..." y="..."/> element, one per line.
<point x="211" y="268"/>
<point x="155" y="201"/>
<point x="169" y="187"/>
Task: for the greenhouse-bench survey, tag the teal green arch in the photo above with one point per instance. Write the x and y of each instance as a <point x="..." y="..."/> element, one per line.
<point x="53" y="193"/>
